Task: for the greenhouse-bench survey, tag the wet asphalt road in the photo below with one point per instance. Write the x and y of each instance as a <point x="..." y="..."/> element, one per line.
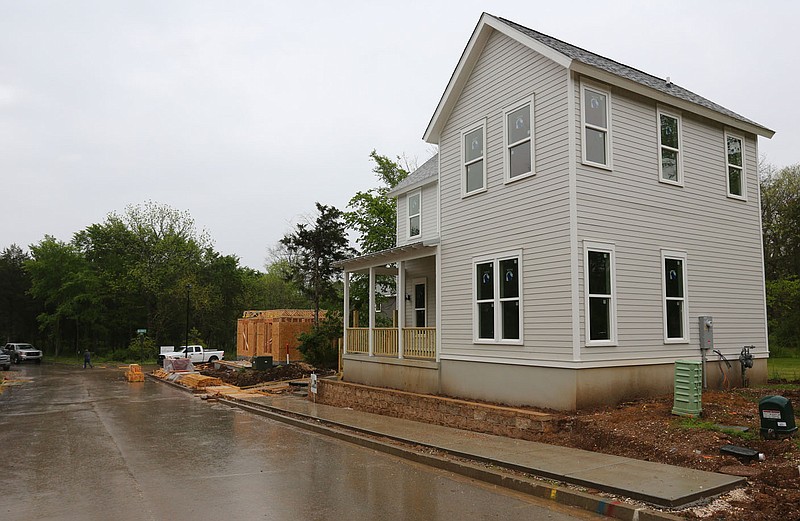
<point x="86" y="445"/>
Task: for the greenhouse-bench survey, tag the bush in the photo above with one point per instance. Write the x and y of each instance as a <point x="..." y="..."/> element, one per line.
<point x="319" y="347"/>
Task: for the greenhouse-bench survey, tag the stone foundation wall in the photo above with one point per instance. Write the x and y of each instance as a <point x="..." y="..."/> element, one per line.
<point x="449" y="412"/>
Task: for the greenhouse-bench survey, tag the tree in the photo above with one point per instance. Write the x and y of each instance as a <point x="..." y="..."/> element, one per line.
<point x="18" y="310"/>
<point x="780" y="211"/>
<point x="373" y="213"/>
<point x="313" y="250"/>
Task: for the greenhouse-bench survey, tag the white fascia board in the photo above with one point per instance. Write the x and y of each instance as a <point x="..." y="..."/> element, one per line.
<point x="469" y="57"/>
<point x="638" y="88"/>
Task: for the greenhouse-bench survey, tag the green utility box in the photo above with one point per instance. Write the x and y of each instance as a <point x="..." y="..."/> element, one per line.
<point x="777" y="417"/>
<point x="688" y="399"/>
<point x="262" y="363"/>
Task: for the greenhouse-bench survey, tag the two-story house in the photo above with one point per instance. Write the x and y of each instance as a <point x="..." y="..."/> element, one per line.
<point x="579" y="218"/>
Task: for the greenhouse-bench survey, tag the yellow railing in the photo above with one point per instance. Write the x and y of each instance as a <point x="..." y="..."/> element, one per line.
<point x="358" y="340"/>
<point x="384" y="341"/>
<point x="419" y="342"/>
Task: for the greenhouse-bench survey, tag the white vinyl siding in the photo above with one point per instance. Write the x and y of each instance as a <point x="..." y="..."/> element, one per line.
<point x="533" y="214"/>
<point x="735" y="161"/>
<point x="473" y="156"/>
<point x="674" y="296"/>
<point x="635" y="212"/>
<point x="595" y="110"/>
<point x="519" y="160"/>
<point x="670" y="158"/>
<point x="600" y="288"/>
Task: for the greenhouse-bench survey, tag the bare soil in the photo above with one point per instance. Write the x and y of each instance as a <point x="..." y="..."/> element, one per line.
<point x="252" y="377"/>
<point x="647" y="430"/>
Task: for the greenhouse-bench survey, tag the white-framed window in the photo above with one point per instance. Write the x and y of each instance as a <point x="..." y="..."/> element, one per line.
<point x="414" y="214"/>
<point x="420" y="299"/>
<point x="600" y="290"/>
<point x="674" y="292"/>
<point x="473" y="158"/>
<point x="734" y="158"/>
<point x="518" y="138"/>
<point x="497" y="294"/>
<point x="670" y="161"/>
<point x="596" y="126"/>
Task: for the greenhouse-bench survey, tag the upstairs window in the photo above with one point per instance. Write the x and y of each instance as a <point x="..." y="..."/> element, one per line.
<point x="596" y="125"/>
<point x="498" y="304"/>
<point x="669" y="146"/>
<point x="599" y="282"/>
<point x="414" y="214"/>
<point x="519" y="141"/>
<point x="676" y="311"/>
<point x="734" y="153"/>
<point x="473" y="144"/>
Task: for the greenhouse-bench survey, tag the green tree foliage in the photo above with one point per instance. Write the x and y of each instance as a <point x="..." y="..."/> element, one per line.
<point x="372" y="213"/>
<point x="18" y="309"/>
<point x="780" y="215"/>
<point x="312" y="251"/>
<point x="319" y="346"/>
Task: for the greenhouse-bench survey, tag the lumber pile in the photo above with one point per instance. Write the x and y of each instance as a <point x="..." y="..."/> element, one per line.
<point x="160" y="373"/>
<point x="199" y="381"/>
<point x="134" y="373"/>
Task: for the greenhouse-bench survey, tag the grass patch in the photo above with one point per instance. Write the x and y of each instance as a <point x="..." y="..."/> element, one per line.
<point x="784" y="369"/>
<point x="695" y="423"/>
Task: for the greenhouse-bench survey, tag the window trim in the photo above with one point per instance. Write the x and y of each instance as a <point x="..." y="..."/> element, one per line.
<point x="417" y="192"/>
<point x="531" y="139"/>
<point x="610" y="248"/>
<point x="676" y="116"/>
<point x="609" y="143"/>
<point x="482" y="126"/>
<point x="498" y="319"/>
<point x="680" y="255"/>
<point x="728" y="165"/>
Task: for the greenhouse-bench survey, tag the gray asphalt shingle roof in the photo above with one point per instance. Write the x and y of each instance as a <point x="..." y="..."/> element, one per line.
<point x="428" y="171"/>
<point x="624" y="71"/>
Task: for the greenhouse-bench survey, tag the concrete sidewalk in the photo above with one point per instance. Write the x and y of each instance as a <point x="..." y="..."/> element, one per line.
<point x="655" y="483"/>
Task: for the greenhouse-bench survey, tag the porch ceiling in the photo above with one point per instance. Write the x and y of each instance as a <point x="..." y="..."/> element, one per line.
<point x="381" y="258"/>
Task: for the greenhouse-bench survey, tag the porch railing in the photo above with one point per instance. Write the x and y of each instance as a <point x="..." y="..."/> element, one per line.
<point x="358" y="340"/>
<point x="384" y="341"/>
<point x="419" y="342"/>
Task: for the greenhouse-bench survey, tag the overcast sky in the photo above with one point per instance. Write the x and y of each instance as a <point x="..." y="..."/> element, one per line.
<point x="245" y="113"/>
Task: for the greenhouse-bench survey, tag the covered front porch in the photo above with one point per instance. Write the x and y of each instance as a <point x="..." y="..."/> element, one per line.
<point x="412" y="333"/>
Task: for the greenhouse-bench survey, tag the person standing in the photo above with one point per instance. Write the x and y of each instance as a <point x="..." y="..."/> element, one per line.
<point x="87" y="359"/>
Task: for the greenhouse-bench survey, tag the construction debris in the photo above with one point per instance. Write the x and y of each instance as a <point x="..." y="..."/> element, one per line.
<point x="134" y="373"/>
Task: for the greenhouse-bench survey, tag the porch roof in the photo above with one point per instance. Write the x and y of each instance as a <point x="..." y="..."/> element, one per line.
<point x="415" y="250"/>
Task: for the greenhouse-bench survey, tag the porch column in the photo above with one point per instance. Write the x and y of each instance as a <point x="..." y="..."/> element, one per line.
<point x="400" y="292"/>
<point x="371" y="310"/>
<point x="346" y="309"/>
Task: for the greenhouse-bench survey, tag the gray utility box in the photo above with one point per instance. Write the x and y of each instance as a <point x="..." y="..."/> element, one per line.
<point x="688" y="388"/>
<point x="262" y="363"/>
<point x="706" y="328"/>
<point x="777" y="417"/>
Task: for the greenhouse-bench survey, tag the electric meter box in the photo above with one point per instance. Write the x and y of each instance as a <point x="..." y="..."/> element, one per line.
<point x="777" y="417"/>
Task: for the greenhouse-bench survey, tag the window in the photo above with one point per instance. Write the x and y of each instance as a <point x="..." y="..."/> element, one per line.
<point x="420" y="298"/>
<point x="600" y="291"/>
<point x="474" y="160"/>
<point x="596" y="123"/>
<point x="519" y="141"/>
<point x="676" y="312"/>
<point x="498" y="304"/>
<point x="414" y="214"/>
<point x="734" y="154"/>
<point x="669" y="149"/>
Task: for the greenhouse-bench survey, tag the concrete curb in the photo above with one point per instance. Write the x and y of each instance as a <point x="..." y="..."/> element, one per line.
<point x="537" y="488"/>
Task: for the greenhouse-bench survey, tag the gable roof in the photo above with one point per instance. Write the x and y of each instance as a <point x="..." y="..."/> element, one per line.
<point x="426" y="174"/>
<point x="583" y="62"/>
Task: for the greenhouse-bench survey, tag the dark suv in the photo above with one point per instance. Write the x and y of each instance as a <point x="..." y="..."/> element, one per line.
<point x="23" y="353"/>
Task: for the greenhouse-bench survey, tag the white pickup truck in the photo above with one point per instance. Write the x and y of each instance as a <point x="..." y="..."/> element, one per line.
<point x="197" y="354"/>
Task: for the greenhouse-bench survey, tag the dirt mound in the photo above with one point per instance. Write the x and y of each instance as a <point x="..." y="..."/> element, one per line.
<point x="647" y="430"/>
<point x="251" y="377"/>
